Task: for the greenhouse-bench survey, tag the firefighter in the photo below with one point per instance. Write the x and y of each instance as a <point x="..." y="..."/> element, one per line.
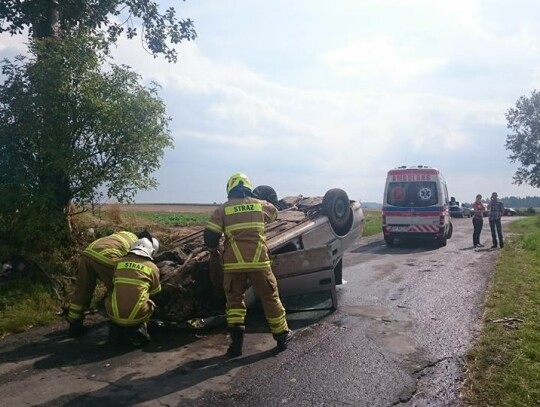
<point x="97" y="261"/>
<point x="135" y="280"/>
<point x="245" y="257"/>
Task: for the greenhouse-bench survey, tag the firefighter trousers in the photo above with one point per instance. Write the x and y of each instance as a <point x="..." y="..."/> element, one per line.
<point x="265" y="285"/>
<point x="88" y="272"/>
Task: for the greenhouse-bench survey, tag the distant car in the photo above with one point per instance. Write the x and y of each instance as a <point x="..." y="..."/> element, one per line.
<point x="509" y="212"/>
<point x="467" y="211"/>
<point x="456" y="211"/>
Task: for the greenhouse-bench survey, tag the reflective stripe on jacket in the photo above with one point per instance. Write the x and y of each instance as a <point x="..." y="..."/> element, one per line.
<point x="242" y="220"/>
<point x="108" y="250"/>
<point x="135" y="280"/>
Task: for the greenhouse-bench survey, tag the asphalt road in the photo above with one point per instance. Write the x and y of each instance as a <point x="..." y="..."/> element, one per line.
<point x="407" y="316"/>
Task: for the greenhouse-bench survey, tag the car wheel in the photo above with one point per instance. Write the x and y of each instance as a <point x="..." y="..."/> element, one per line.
<point x="450" y="231"/>
<point x="337" y="207"/>
<point x="442" y="242"/>
<point x="338" y="272"/>
<point x="389" y="241"/>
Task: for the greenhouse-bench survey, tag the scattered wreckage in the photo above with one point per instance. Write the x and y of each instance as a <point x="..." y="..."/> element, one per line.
<point x="306" y="243"/>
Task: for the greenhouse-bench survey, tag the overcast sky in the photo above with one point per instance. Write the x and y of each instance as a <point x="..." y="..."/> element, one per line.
<point x="308" y="95"/>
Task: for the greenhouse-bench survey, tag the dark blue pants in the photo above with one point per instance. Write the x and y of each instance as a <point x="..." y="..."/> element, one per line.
<point x="477" y="224"/>
<point x="496" y="224"/>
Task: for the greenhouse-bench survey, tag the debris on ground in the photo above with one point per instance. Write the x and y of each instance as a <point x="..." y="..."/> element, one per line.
<point x="508" y="322"/>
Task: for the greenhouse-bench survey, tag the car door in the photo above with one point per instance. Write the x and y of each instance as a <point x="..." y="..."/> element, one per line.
<point x="306" y="271"/>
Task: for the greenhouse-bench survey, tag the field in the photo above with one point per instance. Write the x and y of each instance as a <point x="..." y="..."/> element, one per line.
<point x="178" y="215"/>
<point x="165" y="208"/>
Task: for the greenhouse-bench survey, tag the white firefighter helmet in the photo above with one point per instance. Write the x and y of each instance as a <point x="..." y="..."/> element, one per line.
<point x="145" y="247"/>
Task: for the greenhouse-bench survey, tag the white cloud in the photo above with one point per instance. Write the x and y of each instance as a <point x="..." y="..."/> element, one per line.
<point x="15" y="43"/>
<point x="385" y="83"/>
<point x="380" y="57"/>
<point x="465" y="12"/>
<point x="332" y="136"/>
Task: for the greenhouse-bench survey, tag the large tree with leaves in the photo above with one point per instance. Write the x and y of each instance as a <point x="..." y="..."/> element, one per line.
<point x="71" y="130"/>
<point x="71" y="126"/>
<point x="524" y="142"/>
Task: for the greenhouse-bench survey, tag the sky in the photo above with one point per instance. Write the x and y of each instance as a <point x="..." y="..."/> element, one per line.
<point x="309" y="95"/>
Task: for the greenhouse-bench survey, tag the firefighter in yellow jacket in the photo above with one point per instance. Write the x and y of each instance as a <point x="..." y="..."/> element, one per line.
<point x="97" y="261"/>
<point x="135" y="280"/>
<point x="245" y="257"/>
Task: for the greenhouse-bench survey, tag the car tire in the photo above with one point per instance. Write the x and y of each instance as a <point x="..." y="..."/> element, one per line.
<point x="450" y="231"/>
<point x="337" y="207"/>
<point x="389" y="241"/>
<point x="442" y="241"/>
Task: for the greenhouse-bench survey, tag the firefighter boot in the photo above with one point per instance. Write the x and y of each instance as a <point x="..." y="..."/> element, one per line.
<point x="283" y="339"/>
<point x="76" y="328"/>
<point x="237" y="336"/>
<point x="139" y="337"/>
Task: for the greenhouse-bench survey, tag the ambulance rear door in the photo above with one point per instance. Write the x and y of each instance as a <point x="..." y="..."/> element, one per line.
<point x="412" y="207"/>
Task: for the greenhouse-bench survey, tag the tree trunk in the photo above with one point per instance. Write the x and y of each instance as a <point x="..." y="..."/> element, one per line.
<point x="47" y="23"/>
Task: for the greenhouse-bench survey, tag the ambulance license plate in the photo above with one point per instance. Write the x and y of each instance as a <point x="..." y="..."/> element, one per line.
<point x="399" y="228"/>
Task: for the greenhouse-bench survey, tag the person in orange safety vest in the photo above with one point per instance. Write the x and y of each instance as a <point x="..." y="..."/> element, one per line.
<point x="245" y="257"/>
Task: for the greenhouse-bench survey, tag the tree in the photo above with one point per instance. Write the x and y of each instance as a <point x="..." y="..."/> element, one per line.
<point x="71" y="131"/>
<point x="524" y="143"/>
<point x="57" y="18"/>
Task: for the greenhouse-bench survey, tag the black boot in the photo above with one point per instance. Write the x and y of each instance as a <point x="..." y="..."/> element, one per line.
<point x="139" y="337"/>
<point x="237" y="336"/>
<point x="115" y="336"/>
<point x="283" y="339"/>
<point x="76" y="328"/>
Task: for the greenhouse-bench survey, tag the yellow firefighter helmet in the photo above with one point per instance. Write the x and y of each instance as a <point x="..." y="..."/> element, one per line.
<point x="238" y="179"/>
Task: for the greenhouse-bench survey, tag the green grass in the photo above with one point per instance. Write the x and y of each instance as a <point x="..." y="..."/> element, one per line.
<point x="373" y="222"/>
<point x="25" y="303"/>
<point x="373" y="219"/>
<point x="504" y="366"/>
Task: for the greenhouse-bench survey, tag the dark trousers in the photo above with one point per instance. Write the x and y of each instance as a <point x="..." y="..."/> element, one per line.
<point x="477" y="224"/>
<point x="496" y="224"/>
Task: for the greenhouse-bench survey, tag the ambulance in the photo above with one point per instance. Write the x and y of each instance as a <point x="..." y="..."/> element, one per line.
<point x="416" y="205"/>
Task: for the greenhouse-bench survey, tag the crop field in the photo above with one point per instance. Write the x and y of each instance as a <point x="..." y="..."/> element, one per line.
<point x="175" y="216"/>
<point x="175" y="219"/>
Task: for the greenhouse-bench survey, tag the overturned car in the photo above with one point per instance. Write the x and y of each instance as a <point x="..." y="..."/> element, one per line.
<point x="306" y="243"/>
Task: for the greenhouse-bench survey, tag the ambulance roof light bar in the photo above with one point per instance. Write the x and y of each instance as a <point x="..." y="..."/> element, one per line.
<point x="414" y="166"/>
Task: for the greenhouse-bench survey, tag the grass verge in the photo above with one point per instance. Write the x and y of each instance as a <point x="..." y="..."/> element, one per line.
<point x="504" y="366"/>
<point x="373" y="222"/>
<point x="25" y="303"/>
